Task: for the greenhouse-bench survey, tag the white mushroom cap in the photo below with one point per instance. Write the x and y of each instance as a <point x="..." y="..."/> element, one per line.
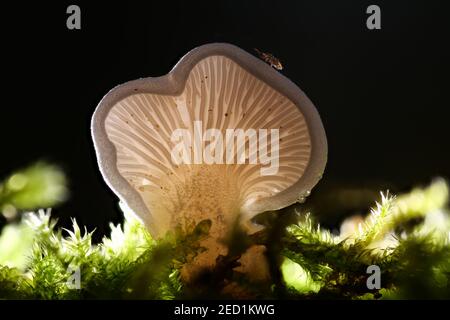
<point x="217" y="86"/>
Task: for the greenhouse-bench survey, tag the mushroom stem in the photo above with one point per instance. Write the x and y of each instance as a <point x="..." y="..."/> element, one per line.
<point x="207" y="193"/>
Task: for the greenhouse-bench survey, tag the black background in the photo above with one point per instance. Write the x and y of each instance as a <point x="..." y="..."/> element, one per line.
<point x="382" y="94"/>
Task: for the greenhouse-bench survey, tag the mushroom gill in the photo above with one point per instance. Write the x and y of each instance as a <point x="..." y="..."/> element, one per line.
<point x="215" y="96"/>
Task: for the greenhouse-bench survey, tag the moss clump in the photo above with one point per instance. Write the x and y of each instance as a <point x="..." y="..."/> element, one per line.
<point x="407" y="237"/>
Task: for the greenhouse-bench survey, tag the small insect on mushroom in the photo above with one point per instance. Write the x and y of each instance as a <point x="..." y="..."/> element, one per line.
<point x="270" y="59"/>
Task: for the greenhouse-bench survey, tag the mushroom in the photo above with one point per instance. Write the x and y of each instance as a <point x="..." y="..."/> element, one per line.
<point x="169" y="146"/>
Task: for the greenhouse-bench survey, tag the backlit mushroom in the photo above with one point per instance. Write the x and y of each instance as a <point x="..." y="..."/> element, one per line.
<point x="222" y="137"/>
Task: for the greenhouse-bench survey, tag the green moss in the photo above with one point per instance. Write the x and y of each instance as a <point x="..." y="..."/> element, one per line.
<point x="38" y="186"/>
<point x="414" y="261"/>
<point x="406" y="236"/>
